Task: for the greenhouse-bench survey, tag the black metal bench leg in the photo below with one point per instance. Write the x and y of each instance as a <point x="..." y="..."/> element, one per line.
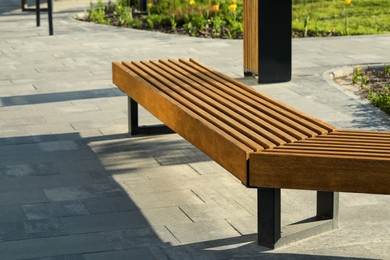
<point x="50" y="16"/>
<point x="270" y="232"/>
<point x="269" y="216"/>
<point x="328" y="206"/>
<point x="135" y="129"/>
<point x="38" y="12"/>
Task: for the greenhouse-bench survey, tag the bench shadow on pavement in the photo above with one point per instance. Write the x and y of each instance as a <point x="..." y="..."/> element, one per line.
<point x="65" y="200"/>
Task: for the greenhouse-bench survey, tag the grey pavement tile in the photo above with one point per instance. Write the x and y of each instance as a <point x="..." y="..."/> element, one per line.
<point x="60" y="257"/>
<point x="202" y="231"/>
<point x="158" y="236"/>
<point x="174" y="183"/>
<point x="109" y="204"/>
<point x="17" y="170"/>
<point x="97" y="190"/>
<point x="54" y="246"/>
<point x="54" y="209"/>
<point x="244" y="225"/>
<point x="136" y="253"/>
<point x="165" y="216"/>
<point x="207" y="212"/>
<point x="105" y="222"/>
<point x="22" y="197"/>
<point x="46" y="182"/>
<point x="11" y="214"/>
<point x="166" y="199"/>
<point x="130" y="175"/>
<point x="174" y="171"/>
<point x="209" y="167"/>
<point x="31" y="229"/>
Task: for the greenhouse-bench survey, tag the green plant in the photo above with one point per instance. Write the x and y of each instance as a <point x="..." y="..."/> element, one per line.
<point x="124" y="14"/>
<point x="306" y="25"/>
<point x="154" y="20"/>
<point x="381" y="99"/>
<point x="217" y="24"/>
<point x="97" y="13"/>
<point x="359" y="77"/>
<point x="387" y="70"/>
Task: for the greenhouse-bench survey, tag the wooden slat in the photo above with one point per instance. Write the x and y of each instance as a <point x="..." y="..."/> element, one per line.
<point x="198" y="131"/>
<point x="243" y="105"/>
<point x="323" y="173"/>
<point x="323" y="151"/>
<point x="232" y="107"/>
<point x="308" y="143"/>
<point x="209" y="102"/>
<point x="282" y="112"/>
<point x="193" y="103"/>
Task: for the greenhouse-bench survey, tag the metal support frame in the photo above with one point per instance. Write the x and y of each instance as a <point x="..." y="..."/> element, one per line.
<point x="272" y="235"/>
<point x="275" y="30"/>
<point x="135" y="129"/>
<point x="38" y="10"/>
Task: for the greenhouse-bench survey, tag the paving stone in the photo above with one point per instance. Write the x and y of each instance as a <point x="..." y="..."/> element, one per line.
<point x="109" y="204"/>
<point x="202" y="231"/>
<point x="61" y="257"/>
<point x="31" y="229"/>
<point x="22" y="197"/>
<point x="165" y="216"/>
<point x="165" y="199"/>
<point x="83" y="192"/>
<point x="60" y="245"/>
<point x="48" y="182"/>
<point x="54" y="209"/>
<point x="138" y="253"/>
<point x="158" y="236"/>
<point x="11" y="213"/>
<point x="18" y="170"/>
<point x="105" y="222"/>
<point x="207" y="212"/>
<point x="174" y="171"/>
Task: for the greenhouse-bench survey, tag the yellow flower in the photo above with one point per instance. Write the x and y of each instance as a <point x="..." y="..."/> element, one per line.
<point x="232" y="1"/>
<point x="150" y="4"/>
<point x="215" y="7"/>
<point x="232" y="7"/>
<point x="192" y="2"/>
<point x="347" y="2"/>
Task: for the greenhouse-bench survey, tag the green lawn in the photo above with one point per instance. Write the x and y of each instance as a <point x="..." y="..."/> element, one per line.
<point x="224" y="19"/>
<point x="335" y="17"/>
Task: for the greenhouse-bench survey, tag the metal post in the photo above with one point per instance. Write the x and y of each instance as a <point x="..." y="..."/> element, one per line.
<point x="50" y="15"/>
<point x="274" y="41"/>
<point x="269" y="216"/>
<point x="38" y="12"/>
<point x="132" y="116"/>
<point x="142" y="5"/>
<point x="328" y="206"/>
<point x="135" y="129"/>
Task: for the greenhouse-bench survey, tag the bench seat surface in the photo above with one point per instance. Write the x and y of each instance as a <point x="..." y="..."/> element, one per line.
<point x="223" y="117"/>
<point x="260" y="140"/>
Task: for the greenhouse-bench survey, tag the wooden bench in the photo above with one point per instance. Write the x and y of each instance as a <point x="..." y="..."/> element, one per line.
<point x="264" y="143"/>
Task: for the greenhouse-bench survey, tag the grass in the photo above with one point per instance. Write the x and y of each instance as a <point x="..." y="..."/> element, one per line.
<point x="335" y="17"/>
<point x="216" y="18"/>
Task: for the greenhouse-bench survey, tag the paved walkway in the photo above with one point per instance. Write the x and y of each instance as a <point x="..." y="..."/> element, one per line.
<point x="73" y="185"/>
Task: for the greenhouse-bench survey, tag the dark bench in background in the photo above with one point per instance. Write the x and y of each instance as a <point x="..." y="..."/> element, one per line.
<point x="38" y="10"/>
